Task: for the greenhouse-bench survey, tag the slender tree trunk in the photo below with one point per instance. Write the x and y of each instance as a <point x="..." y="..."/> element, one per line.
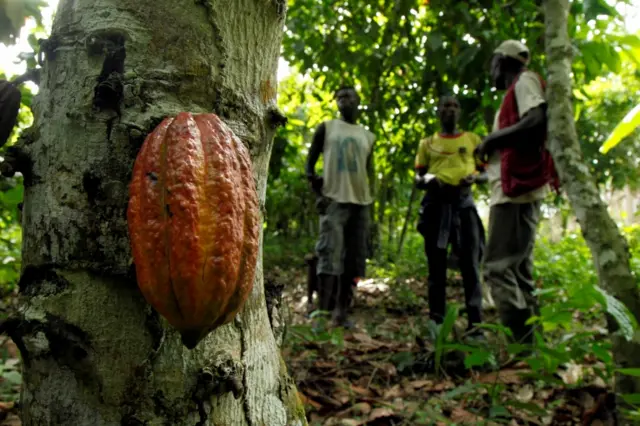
<point x="391" y="221"/>
<point x="383" y="199"/>
<point x="94" y="353"/>
<point x="407" y="218"/>
<point x="608" y="247"/>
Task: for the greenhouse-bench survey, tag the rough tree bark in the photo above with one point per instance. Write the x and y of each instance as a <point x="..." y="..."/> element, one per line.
<point x="94" y="352"/>
<point x="608" y="247"/>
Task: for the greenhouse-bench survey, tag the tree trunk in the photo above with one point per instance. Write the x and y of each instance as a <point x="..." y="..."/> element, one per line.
<point x="608" y="247"/>
<point x="94" y="353"/>
<point x="407" y="218"/>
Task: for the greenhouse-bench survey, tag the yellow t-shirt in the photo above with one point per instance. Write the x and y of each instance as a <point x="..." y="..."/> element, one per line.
<point x="450" y="158"/>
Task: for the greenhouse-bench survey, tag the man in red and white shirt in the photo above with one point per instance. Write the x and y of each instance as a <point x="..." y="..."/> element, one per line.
<point x="519" y="170"/>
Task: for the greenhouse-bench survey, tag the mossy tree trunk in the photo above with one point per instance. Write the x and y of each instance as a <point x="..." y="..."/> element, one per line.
<point x="608" y="247"/>
<point x="94" y="352"/>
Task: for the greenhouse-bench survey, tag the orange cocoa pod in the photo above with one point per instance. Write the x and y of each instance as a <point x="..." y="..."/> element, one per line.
<point x="194" y="223"/>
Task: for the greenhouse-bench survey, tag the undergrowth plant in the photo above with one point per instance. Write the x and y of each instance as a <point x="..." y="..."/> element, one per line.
<point x="571" y="327"/>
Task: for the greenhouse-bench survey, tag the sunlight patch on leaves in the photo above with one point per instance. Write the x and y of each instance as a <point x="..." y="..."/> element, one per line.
<point x="13" y="14"/>
<point x="628" y="124"/>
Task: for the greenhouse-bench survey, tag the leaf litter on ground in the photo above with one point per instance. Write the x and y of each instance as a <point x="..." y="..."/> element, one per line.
<point x="381" y="375"/>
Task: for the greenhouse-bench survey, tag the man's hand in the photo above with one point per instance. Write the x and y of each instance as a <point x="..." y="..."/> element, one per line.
<point x="469" y="180"/>
<point x="485" y="149"/>
<point x="423" y="181"/>
<point x="316" y="183"/>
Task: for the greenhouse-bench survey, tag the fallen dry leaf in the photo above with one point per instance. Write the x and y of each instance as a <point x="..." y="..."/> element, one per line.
<point x="324" y="364"/>
<point x="460" y="415"/>
<point x="12" y="420"/>
<point x="506" y="377"/>
<point x="349" y="422"/>
<point x="379" y="413"/>
<point x="340" y="383"/>
<point x="315" y="418"/>
<point x="342" y="397"/>
<point x="393" y="392"/>
<point x="525" y="393"/>
<point x="7" y="406"/>
<point x="398" y="404"/>
<point x="441" y="386"/>
<point x="12" y="349"/>
<point x="359" y="390"/>
<point x="327" y="400"/>
<point x="572" y="374"/>
<point x="366" y="339"/>
<point x="418" y="384"/>
<point x="359" y="409"/>
<point x="385" y="367"/>
<point x="308" y="401"/>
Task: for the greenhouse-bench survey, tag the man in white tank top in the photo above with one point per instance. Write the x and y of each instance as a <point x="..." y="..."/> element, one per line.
<point x="344" y="196"/>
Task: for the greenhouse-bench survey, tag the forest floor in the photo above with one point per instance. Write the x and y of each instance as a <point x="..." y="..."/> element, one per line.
<point x="386" y="372"/>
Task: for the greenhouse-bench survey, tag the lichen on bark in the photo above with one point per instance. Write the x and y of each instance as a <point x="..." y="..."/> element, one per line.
<point x="113" y="69"/>
<point x="607" y="245"/>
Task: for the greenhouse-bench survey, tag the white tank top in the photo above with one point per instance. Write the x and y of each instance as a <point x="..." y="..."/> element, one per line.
<point x="346" y="149"/>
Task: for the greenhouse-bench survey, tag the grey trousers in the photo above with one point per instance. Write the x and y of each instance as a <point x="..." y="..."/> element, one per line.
<point x="508" y="265"/>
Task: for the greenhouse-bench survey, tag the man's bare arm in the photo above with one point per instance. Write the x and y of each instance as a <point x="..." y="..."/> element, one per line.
<point x="531" y="124"/>
<point x="316" y="148"/>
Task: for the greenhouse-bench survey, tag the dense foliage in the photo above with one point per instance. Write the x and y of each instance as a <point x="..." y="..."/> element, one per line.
<point x="402" y="55"/>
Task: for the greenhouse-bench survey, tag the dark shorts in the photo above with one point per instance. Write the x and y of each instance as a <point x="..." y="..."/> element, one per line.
<point x="342" y="243"/>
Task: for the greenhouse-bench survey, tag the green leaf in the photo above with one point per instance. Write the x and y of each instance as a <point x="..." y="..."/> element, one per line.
<point x="602" y="353"/>
<point x="628" y="124"/>
<point x="593" y="8"/>
<point x="477" y="357"/>
<point x="296" y="122"/>
<point x="435" y="40"/>
<point x="596" y="54"/>
<point x="12" y="377"/>
<point x="632" y="398"/>
<point x="466" y="56"/>
<point x="635" y="372"/>
<point x="592" y="66"/>
<point x="578" y="110"/>
<point x="12" y="197"/>
<point x="620" y="312"/>
<point x="461" y="390"/>
<point x="499" y="411"/>
<point x="629" y="40"/>
<point x="33" y="42"/>
<point x="443" y="333"/>
<point x="402" y="360"/>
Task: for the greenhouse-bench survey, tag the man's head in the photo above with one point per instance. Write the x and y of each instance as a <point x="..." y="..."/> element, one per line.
<point x="448" y="111"/>
<point x="348" y="101"/>
<point x="508" y="59"/>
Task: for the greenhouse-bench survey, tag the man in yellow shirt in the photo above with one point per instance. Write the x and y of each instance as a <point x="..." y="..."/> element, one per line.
<point x="446" y="167"/>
